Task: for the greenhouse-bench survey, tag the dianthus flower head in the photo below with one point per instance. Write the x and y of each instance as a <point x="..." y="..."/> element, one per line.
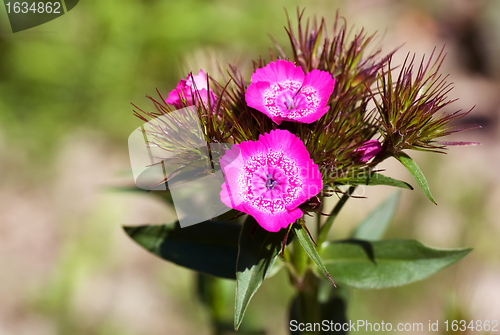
<point x="270" y="178"/>
<point x="368" y="150"/>
<point x="189" y="89"/>
<point x="281" y="91"/>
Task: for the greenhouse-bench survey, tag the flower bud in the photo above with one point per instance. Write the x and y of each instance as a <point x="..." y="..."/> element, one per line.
<point x="368" y="150"/>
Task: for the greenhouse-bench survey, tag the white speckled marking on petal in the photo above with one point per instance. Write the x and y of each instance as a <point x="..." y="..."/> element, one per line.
<point x="270" y="201"/>
<point x="309" y="93"/>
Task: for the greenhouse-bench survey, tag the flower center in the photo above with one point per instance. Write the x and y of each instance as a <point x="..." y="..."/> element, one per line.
<point x="289" y="102"/>
<point x="270" y="182"/>
<point x="292" y="100"/>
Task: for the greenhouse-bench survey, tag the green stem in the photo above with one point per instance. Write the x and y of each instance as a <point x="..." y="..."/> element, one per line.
<point x="318" y="223"/>
<point x="323" y="233"/>
<point x="309" y="310"/>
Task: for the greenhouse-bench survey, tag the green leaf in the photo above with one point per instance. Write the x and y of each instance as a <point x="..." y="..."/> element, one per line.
<point x="210" y="247"/>
<point x="374" y="179"/>
<point x="387" y="263"/>
<point x="310" y="248"/>
<point x="374" y="226"/>
<point x="277" y="266"/>
<point x="416" y="173"/>
<point x="258" y="250"/>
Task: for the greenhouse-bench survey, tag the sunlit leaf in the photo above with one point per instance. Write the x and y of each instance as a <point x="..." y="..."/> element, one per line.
<point x="258" y="250"/>
<point x="310" y="248"/>
<point x="416" y="173"/>
<point x="374" y="179"/>
<point x="387" y="263"/>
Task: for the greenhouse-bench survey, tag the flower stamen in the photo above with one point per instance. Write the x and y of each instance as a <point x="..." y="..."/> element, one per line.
<point x="270" y="182"/>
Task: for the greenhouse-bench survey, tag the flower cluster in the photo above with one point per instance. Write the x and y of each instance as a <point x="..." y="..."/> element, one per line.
<point x="272" y="143"/>
<point x="306" y="112"/>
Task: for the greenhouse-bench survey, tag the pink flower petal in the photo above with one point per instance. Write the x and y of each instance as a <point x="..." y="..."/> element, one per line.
<point x="254" y="96"/>
<point x="322" y="82"/>
<point x="181" y="90"/>
<point x="277" y="72"/>
<point x="318" y="87"/>
<point x="199" y="81"/>
<point x="274" y="222"/>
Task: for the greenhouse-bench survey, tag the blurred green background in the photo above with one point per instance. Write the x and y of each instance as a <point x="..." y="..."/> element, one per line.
<point x="66" y="267"/>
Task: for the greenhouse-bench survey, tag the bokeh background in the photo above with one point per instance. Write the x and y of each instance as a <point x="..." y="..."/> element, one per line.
<point x="67" y="268"/>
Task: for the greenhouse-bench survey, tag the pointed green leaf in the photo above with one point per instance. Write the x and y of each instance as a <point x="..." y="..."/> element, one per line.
<point x="309" y="247"/>
<point x="374" y="226"/>
<point x="210" y="247"/>
<point x="374" y="179"/>
<point x="416" y="173"/>
<point x="387" y="263"/>
<point x="258" y="250"/>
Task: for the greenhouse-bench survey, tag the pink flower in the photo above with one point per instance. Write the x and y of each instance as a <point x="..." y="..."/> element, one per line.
<point x="186" y="89"/>
<point x="282" y="91"/>
<point x="368" y="150"/>
<point x="270" y="178"/>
